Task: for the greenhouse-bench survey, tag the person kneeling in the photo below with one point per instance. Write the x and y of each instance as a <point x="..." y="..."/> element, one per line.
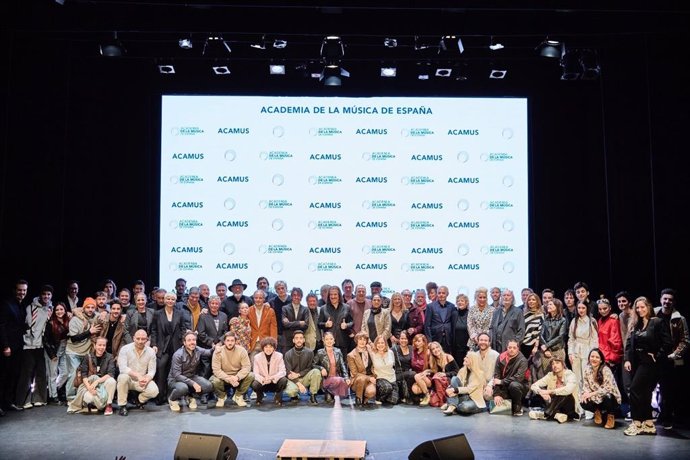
<point x="559" y="390"/>
<point x="183" y="377"/>
<point x="466" y="390"/>
<point x="98" y="388"/>
<point x="269" y="372"/>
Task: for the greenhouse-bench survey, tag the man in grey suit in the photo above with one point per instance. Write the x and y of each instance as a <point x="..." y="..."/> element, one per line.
<point x="507" y="323"/>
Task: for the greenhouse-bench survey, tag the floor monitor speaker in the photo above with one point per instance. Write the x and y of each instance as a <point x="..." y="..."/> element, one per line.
<point x="453" y="447"/>
<point x="201" y="446"/>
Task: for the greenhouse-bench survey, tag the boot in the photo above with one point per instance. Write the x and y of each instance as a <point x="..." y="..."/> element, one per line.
<point x="597" y="417"/>
<point x="312" y="400"/>
<point x="610" y="421"/>
<point x="329" y="398"/>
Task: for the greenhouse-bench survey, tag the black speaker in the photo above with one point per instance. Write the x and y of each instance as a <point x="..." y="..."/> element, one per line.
<point x="200" y="446"/>
<point x="453" y="447"/>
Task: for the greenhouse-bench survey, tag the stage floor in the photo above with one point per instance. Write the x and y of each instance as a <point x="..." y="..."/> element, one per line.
<point x="390" y="433"/>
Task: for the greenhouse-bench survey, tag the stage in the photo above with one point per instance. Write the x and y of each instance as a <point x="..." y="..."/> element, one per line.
<point x="390" y="433"/>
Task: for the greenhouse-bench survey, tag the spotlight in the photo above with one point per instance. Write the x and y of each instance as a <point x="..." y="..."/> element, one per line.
<point x="444" y="72"/>
<point x="221" y="70"/>
<point x="331" y="75"/>
<point x="390" y="42"/>
<point x="495" y="46"/>
<point x="185" y="43"/>
<point x="261" y="44"/>
<point x="389" y="71"/>
<point x="279" y="44"/>
<point x="112" y="47"/>
<point x="550" y="49"/>
<point x="419" y="44"/>
<point x="216" y="45"/>
<point x="166" y="69"/>
<point x="498" y="74"/>
<point x="276" y="69"/>
<point x="590" y="65"/>
<point x="447" y="42"/>
<point x="570" y="63"/>
<point x="332" y="50"/>
<point x="423" y="70"/>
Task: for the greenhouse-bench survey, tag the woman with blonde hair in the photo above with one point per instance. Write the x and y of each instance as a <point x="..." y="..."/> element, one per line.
<point x="442" y="367"/>
<point x="479" y="316"/>
<point x="465" y="395"/>
<point x="383" y="367"/>
<point x="461" y="336"/>
<point x="398" y="317"/>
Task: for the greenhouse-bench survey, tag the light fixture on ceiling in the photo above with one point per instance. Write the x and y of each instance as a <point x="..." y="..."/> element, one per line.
<point x="279" y="44"/>
<point x="276" y="69"/>
<point x="590" y="65"/>
<point x="390" y="42"/>
<point x="444" y="72"/>
<point x="332" y="75"/>
<point x="221" y="70"/>
<point x="550" y="49"/>
<point x="570" y="65"/>
<point x="423" y="70"/>
<point x="260" y="44"/>
<point x="113" y="47"/>
<point x="498" y="74"/>
<point x="495" y="45"/>
<point x="215" y="45"/>
<point x="166" y="69"/>
<point x="389" y="71"/>
<point x="332" y="50"/>
<point x="449" y="42"/>
<point x="185" y="43"/>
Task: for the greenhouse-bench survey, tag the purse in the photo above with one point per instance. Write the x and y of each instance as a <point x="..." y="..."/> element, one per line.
<point x="78" y="377"/>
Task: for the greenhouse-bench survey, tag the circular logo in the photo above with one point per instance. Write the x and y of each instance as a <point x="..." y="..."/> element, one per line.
<point x="229" y="248"/>
<point x="405" y="225"/>
<point x="463" y="157"/>
<point x="484" y="250"/>
<point x="405" y="132"/>
<point x="278" y="131"/>
<point x="405" y="267"/>
<point x="484" y="156"/>
<point x="463" y="205"/>
<point x="313" y="131"/>
<point x="366" y="249"/>
<point x="263" y="156"/>
<point x="230" y="155"/>
<point x="313" y="180"/>
<point x="277" y="266"/>
<point x="172" y="266"/>
<point x="174" y="224"/>
<point x="174" y="179"/>
<point x="507" y="133"/>
<point x="263" y="204"/>
<point x="263" y="249"/>
<point x="508" y="267"/>
<point x="484" y="205"/>
<point x="277" y="224"/>
<point x="278" y="180"/>
<point x="508" y="225"/>
<point x="405" y="180"/>
<point x="508" y="181"/>
<point x="312" y="267"/>
<point x="229" y="204"/>
<point x="366" y="156"/>
<point x="366" y="204"/>
<point x="175" y="131"/>
<point x="463" y="249"/>
<point x="311" y="225"/>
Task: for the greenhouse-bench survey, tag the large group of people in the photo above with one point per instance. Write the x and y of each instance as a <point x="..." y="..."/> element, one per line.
<point x="562" y="360"/>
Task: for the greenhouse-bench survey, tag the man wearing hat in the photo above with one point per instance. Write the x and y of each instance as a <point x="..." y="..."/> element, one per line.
<point x="82" y="326"/>
<point x="231" y="305"/>
<point x="376" y="288"/>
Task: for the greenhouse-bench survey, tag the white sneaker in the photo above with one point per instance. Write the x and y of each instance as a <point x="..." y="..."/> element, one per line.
<point x="192" y="403"/>
<point x="28" y="405"/>
<point x="536" y="415"/>
<point x="220" y="402"/>
<point x="562" y="418"/>
<point x="425" y="400"/>
<point x="253" y="395"/>
<point x="174" y="405"/>
<point x="239" y="400"/>
<point x="589" y="415"/>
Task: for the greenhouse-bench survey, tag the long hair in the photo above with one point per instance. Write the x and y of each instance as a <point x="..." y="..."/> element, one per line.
<point x="599" y="378"/>
<point x="640" y="320"/>
<point x="340" y="296"/>
<point x="425" y="348"/>
<point x="540" y="309"/>
<point x="58" y="327"/>
<point x="559" y="308"/>
<point x="474" y="368"/>
<point x="437" y="364"/>
<point x="587" y="317"/>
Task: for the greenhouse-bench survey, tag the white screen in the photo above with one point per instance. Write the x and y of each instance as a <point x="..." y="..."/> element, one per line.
<point x="315" y="190"/>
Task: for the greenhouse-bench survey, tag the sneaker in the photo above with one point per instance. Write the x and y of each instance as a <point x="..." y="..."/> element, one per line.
<point x="632" y="430"/>
<point x="27" y="406"/>
<point x="444" y="407"/>
<point x="123" y="411"/>
<point x="174" y="405"/>
<point x="561" y="418"/>
<point x="450" y="410"/>
<point x="220" y="402"/>
<point x="628" y="418"/>
<point x="39" y="404"/>
<point x="192" y="403"/>
<point x="239" y="400"/>
<point x="108" y="410"/>
<point x="589" y="415"/>
<point x="425" y="400"/>
<point x="667" y="425"/>
<point x="647" y="429"/>
<point x="253" y="395"/>
<point x="536" y="415"/>
<point x="519" y="413"/>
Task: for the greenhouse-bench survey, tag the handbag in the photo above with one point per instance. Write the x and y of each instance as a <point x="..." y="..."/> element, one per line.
<point x="79" y="378"/>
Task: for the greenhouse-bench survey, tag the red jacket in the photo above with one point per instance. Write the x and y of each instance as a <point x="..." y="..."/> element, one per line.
<point x="610" y="341"/>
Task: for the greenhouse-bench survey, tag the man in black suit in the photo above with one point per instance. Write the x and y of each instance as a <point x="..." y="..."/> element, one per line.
<point x="12" y="328"/>
<point x="295" y="315"/>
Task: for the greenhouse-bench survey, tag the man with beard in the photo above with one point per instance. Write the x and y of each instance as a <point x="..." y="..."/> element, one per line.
<point x="231" y="370"/>
<point x="509" y="380"/>
<point x="82" y="327"/>
<point x="301" y="373"/>
<point x="137" y="364"/>
<point x="231" y="305"/>
<point x="114" y="329"/>
<point x="183" y="378"/>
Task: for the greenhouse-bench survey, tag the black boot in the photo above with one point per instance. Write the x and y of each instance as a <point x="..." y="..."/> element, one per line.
<point x="329" y="398"/>
<point x="312" y="400"/>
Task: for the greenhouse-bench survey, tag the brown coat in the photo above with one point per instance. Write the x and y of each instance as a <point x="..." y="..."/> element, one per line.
<point x="267" y="328"/>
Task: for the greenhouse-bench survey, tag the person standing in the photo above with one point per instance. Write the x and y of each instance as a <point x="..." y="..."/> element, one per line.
<point x="12" y="329"/>
<point x="440" y="319"/>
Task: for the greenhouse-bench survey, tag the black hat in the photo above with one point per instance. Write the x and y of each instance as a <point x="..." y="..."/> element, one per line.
<point x="375" y="284"/>
<point x="238" y="282"/>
